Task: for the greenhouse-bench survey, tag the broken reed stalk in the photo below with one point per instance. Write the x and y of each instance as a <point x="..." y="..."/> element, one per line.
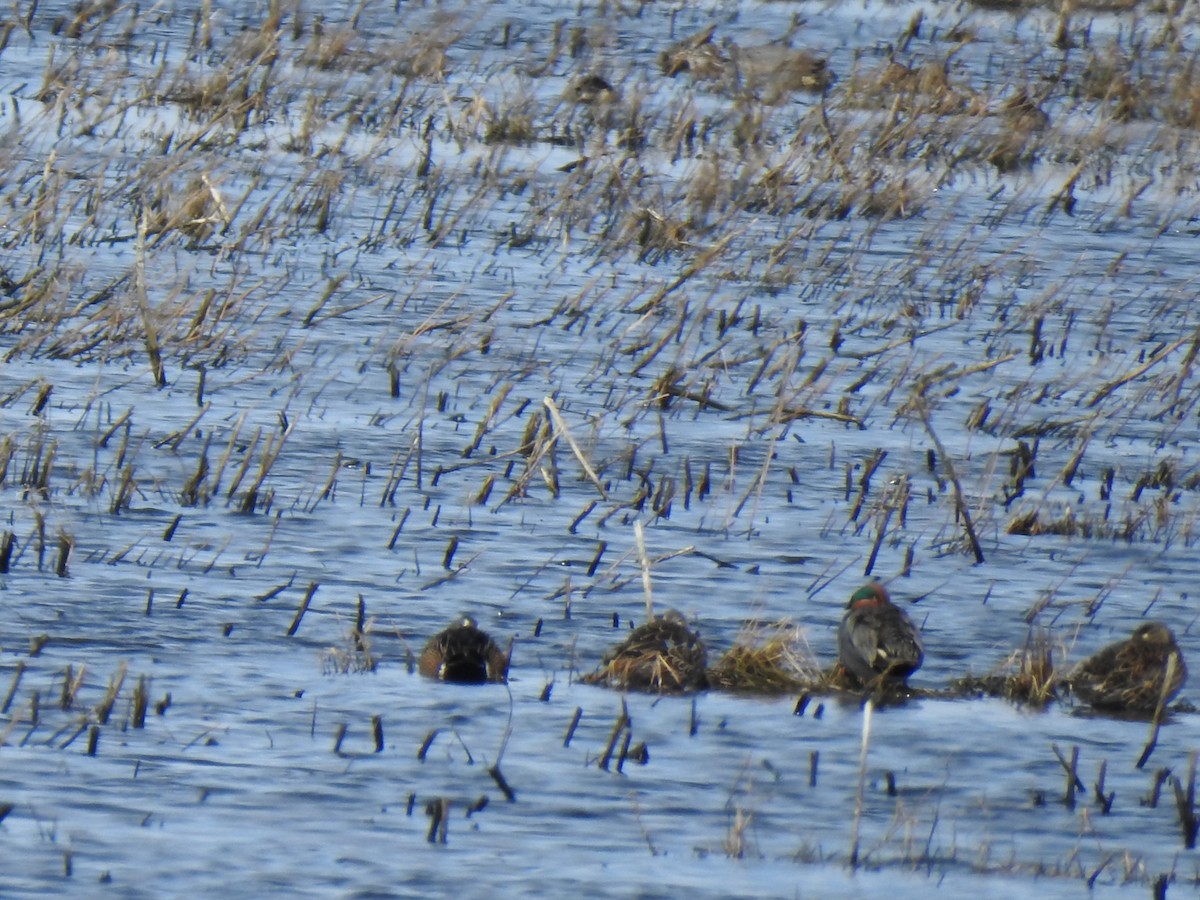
<point x="143" y="301"/>
<point x="960" y="503"/>
<point x="71" y="685"/>
<point x="879" y="536"/>
<point x="140" y="702"/>
<point x="1105" y="800"/>
<point x="644" y="564"/>
<point x="699" y="265"/>
<point x="65" y="544"/>
<point x="864" y="482"/>
<point x="438" y="811"/>
<point x="308" y="595"/>
<point x="539" y="441"/>
<point x="497" y="776"/>
<point x="566" y="737"/>
<point x="1159" y="710"/>
<point x="868" y="706"/>
<point x="621" y="724"/>
<point x="270" y="453"/>
<point x="561" y="426"/>
<point x="12" y="688"/>
<point x="1072" y="769"/>
<point x="1138" y="371"/>
<point x="494" y="770"/>
<point x="360" y="625"/>
<point x="8" y="729"/>
<point x="247" y="458"/>
<point x="1185" y="804"/>
<point x="621" y="757"/>
<point x="423" y="750"/>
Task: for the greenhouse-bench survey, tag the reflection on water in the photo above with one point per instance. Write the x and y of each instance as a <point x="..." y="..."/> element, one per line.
<point x="795" y="343"/>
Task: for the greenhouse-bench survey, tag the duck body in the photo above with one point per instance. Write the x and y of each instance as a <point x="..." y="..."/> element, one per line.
<point x="463" y="653"/>
<point x="877" y="641"/>
<point x="664" y="655"/>
<point x="1131" y="675"/>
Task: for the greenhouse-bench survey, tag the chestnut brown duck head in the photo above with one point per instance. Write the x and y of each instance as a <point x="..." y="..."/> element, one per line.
<point x="878" y="643"/>
<point x="664" y="656"/>
<point x="463" y="653"/>
<point x="1134" y="674"/>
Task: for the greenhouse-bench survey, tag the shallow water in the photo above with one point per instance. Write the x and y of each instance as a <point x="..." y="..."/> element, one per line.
<point x="241" y="782"/>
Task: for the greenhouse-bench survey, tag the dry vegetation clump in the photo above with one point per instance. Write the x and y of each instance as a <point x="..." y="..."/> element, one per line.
<point x="422" y="55"/>
<point x="768" y="658"/>
<point x="1181" y="102"/>
<point x="1027" y="676"/>
<point x="924" y="89"/>
<point x="1022" y="122"/>
<point x="509" y="127"/>
<point x="1110" y="77"/>
<point x="1068" y="524"/>
<point x="353" y="655"/>
<point x="657" y="236"/>
<point x="194" y="212"/>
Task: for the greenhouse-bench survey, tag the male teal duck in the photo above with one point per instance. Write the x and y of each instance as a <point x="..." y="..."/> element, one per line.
<point x="463" y="653"/>
<point x="1130" y="675"/>
<point x="877" y="641"/>
<point x="664" y="655"/>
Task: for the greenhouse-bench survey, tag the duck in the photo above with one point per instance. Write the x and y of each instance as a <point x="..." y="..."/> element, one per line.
<point x="878" y="643"/>
<point x="589" y="89"/>
<point x="698" y="55"/>
<point x="664" y="655"/>
<point x="464" y="653"/>
<point x="1132" y="675"/>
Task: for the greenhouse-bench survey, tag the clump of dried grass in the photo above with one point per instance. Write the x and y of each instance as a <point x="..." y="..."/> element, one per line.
<point x="1026" y="676"/>
<point x="353" y="655"/>
<point x="768" y="658"/>
<point x="1033" y="523"/>
<point x="925" y="89"/>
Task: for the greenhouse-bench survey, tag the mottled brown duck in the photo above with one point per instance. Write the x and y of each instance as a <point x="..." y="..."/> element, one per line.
<point x="463" y="653"/>
<point x="1131" y="675"/>
<point x="663" y="656"/>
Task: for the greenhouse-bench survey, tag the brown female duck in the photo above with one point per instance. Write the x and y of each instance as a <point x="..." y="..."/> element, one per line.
<point x="664" y="655"/>
<point x="1133" y="674"/>
<point x="465" y="654"/>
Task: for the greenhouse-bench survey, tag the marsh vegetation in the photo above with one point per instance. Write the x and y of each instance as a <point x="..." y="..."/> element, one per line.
<point x="325" y="324"/>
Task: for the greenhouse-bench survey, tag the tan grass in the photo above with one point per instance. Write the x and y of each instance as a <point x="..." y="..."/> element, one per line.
<point x="768" y="658"/>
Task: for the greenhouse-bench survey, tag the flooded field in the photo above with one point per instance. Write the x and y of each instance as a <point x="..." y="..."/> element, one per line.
<point x="325" y="324"/>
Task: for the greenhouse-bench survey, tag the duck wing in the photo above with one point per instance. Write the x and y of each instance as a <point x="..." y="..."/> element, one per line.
<point x="879" y="640"/>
